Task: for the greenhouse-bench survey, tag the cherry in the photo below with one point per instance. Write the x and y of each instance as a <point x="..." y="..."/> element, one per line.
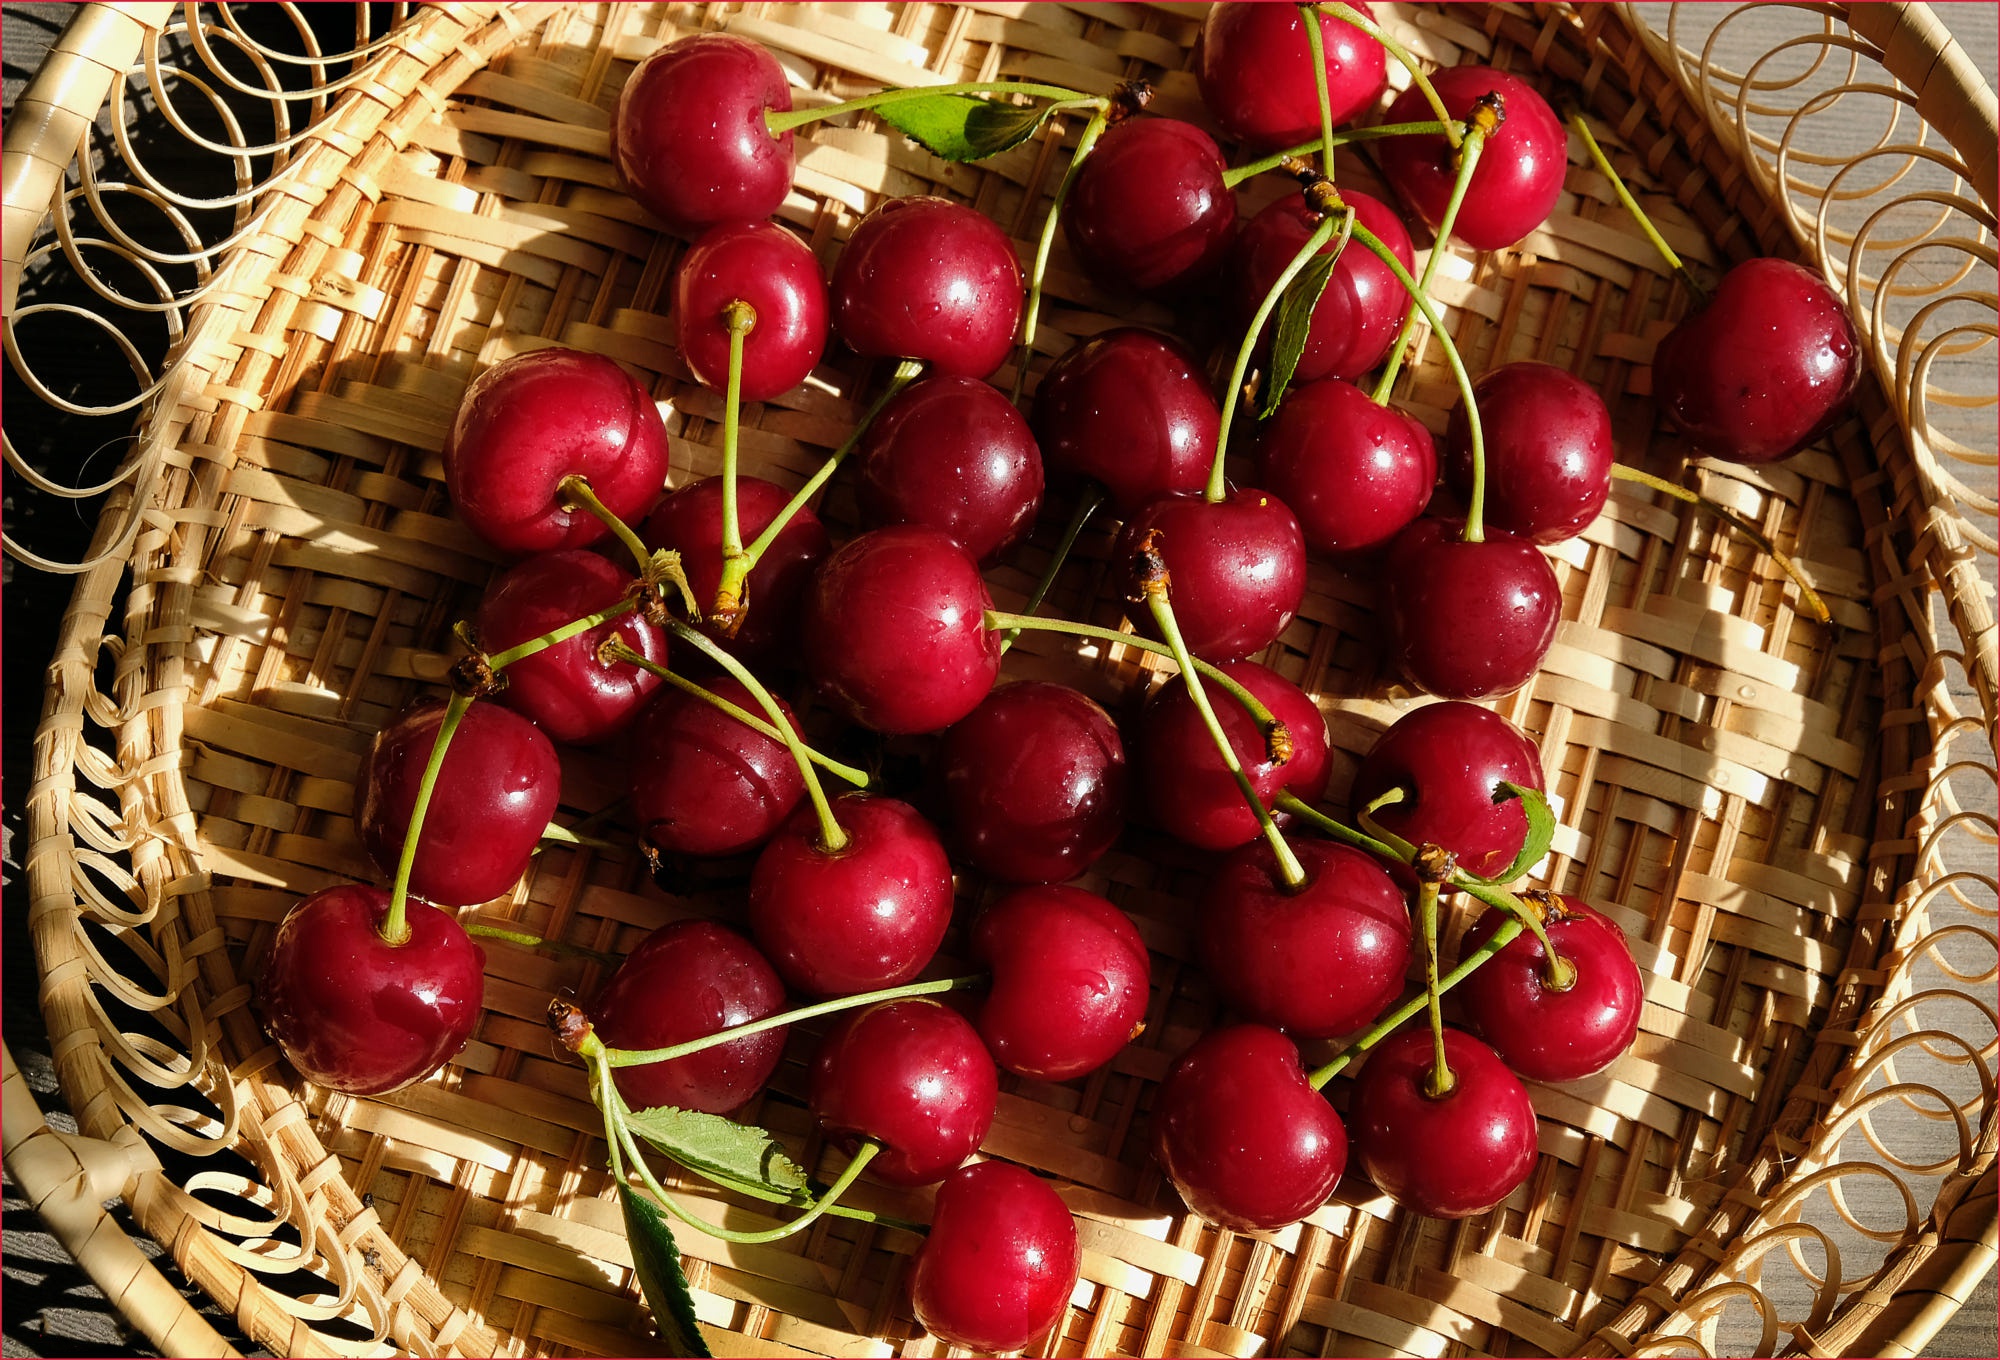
<point x="1547" y="1033"/>
<point x="1447" y="1156"/>
<point x="926" y="278"/>
<point x="688" y="980"/>
<point x="774" y="271"/>
<point x="1132" y="409"/>
<point x="493" y="798"/>
<point x="1034" y="783"/>
<point x="913" y="1076"/>
<point x="1070" y="979"/>
<point x="1469" y="620"/>
<point x="703" y="783"/>
<point x="1001" y="1259"/>
<point x="690" y="522"/>
<point x="1238" y="568"/>
<point x="1244" y="1137"/>
<point x="1254" y="65"/>
<point x="1148" y="210"/>
<point x="894" y="632"/>
<point x="1361" y="309"/>
<point x="530" y="421"/>
<point x="1186" y="786"/>
<point x="1356" y="474"/>
<point x="952" y="453"/>
<point x="867" y="916"/>
<point x="565" y="690"/>
<point x="689" y="137"/>
<point x="1764" y="369"/>
<point x="353" y="1012"/>
<point x="1318" y="961"/>
<point x="1450" y="760"/>
<point x="1548" y="450"/>
<point x="1520" y="172"/>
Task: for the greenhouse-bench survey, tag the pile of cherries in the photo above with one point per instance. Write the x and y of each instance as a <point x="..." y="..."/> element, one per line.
<point x="647" y="625"/>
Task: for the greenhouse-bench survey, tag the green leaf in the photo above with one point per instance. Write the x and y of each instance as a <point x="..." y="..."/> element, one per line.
<point x="959" y="127"/>
<point x="1541" y="831"/>
<point x="658" y="1263"/>
<point x="1295" y="310"/>
<point x="721" y="1149"/>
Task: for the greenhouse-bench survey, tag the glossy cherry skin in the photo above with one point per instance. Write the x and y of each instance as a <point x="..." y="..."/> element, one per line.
<point x="774" y="271"/>
<point x="1448" y="1157"/>
<point x="1318" y="962"/>
<point x="565" y="690"/>
<point x="1548" y="450"/>
<point x="952" y="453"/>
<point x="1181" y="776"/>
<point x="688" y="980"/>
<point x="703" y="783"/>
<point x="1148" y="210"/>
<point x="1469" y="620"/>
<point x="913" y="1076"/>
<point x="1542" y="1033"/>
<point x="1238" y="567"/>
<point x="1354" y="473"/>
<point x="690" y="522"/>
<point x="530" y="421"/>
<point x="1000" y="1261"/>
<point x="1254" y="65"/>
<point x="689" y="137"/>
<point x="494" y="795"/>
<point x="894" y="630"/>
<point x="1131" y="409"/>
<point x="1768" y="366"/>
<point x="1244" y="1137"/>
<point x="1520" y="172"/>
<point x="1359" y="313"/>
<point x="1450" y="759"/>
<point x="867" y="916"/>
<point x="926" y="278"/>
<point x="353" y="1012"/>
<point x="1034" y="783"/>
<point x="1070" y="979"/>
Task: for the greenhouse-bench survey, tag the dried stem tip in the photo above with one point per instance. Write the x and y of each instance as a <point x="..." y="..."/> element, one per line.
<point x="569" y="1023"/>
<point x="1278" y="745"/>
<point x="1434" y="863"/>
<point x="1149" y="569"/>
<point x="474" y="677"/>
<point x="1489" y="111"/>
<point x="1128" y="99"/>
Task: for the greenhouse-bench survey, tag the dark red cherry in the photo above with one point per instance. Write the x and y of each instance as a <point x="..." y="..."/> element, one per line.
<point x="690" y="522"/>
<point x="894" y="631"/>
<point x="689" y="137"/>
<point x="913" y="1076"/>
<point x="1356" y="474"/>
<point x="1317" y="962"/>
<point x="1520" y="172"/>
<point x="1130" y="408"/>
<point x="1149" y="211"/>
<point x="867" y="916"/>
<point x="1546" y="1034"/>
<point x="1764" y="369"/>
<point x="1450" y="759"/>
<point x="1238" y="567"/>
<point x="565" y="690"/>
<point x="494" y="796"/>
<point x="926" y="278"/>
<point x="353" y="1012"/>
<point x="1254" y="66"/>
<point x="530" y="421"/>
<point x="1070" y="979"/>
<point x="1181" y="775"/>
<point x="1451" y="1156"/>
<point x="952" y="453"/>
<point x="1034" y="783"/>
<point x="688" y="980"/>
<point x="703" y="783"/>
<point x="774" y="271"/>
<point x="1469" y="620"/>
<point x="1244" y="1137"/>
<point x="1360" y="311"/>
<point x="1548" y="450"/>
<point x="1001" y="1259"/>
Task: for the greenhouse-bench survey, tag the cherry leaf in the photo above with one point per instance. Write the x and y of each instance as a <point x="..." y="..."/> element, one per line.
<point x="657" y="1262"/>
<point x="1295" y="311"/>
<point x="959" y="127"/>
<point x="738" y="1155"/>
<point x="1541" y="831"/>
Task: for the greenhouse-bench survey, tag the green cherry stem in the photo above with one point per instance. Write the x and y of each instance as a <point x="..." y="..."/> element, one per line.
<point x="1316" y="42"/>
<point x="395" y="927"/>
<point x="573" y="493"/>
<point x="520" y="651"/>
<point x="1441" y="1081"/>
<point x="1582" y="126"/>
<point x="1018" y="623"/>
<point x="527" y="941"/>
<point x="1100" y="119"/>
<point x="784" y="121"/>
<point x="739" y="318"/>
<point x="555" y="834"/>
<point x="1087" y="505"/>
<point x="1346" y="137"/>
<point x="1350" y="15"/>
<point x="1807" y="595"/>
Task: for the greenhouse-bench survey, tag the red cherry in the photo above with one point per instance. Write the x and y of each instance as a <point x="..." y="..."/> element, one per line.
<point x="952" y="453"/>
<point x="1450" y="759"/>
<point x="1238" y="567"/>
<point x="926" y="278"/>
<point x="1542" y="1033"/>
<point x="1361" y="309"/>
<point x="1070" y="979"/>
<point x="703" y="783"/>
<point x="1469" y="620"/>
<point x="913" y="1076"/>
<point x="1451" y="1156"/>
<point x="353" y="1012"/>
<point x="1254" y="65"/>
<point x="1356" y="474"/>
<point x="1000" y="1261"/>
<point x="1520" y="172"/>
<point x="1548" y="450"/>
<point x="690" y="522"/>
<point x="1132" y="409"/>
<point x="1148" y="210"/>
<point x="774" y="271"/>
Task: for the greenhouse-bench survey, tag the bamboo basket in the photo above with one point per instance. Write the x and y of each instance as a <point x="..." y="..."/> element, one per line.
<point x="1780" y="814"/>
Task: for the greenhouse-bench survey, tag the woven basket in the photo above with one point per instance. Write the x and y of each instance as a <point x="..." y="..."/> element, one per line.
<point x="1782" y="815"/>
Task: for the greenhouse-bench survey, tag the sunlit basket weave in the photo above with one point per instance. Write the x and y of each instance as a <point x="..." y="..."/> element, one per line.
<point x="1771" y="808"/>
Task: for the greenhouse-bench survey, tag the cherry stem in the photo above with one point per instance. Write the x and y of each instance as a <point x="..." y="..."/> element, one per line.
<point x="1316" y="44"/>
<point x="1401" y="848"/>
<point x="1558" y="973"/>
<point x="1469" y="154"/>
<point x="1652" y="233"/>
<point x="1350" y="15"/>
<point x="739" y="318"/>
<point x="561" y="835"/>
<point x="1807" y="595"/>
<point x="395" y="927"/>
<point x="521" y="651"/>
<point x="781" y="121"/>
<point x="1277" y="159"/>
<point x="574" y="493"/>
<point x="1026" y="622"/>
<point x="1440" y="1081"/>
<point x="1031" y="314"/>
<point x="1087" y="505"/>
<point x="527" y="941"/>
